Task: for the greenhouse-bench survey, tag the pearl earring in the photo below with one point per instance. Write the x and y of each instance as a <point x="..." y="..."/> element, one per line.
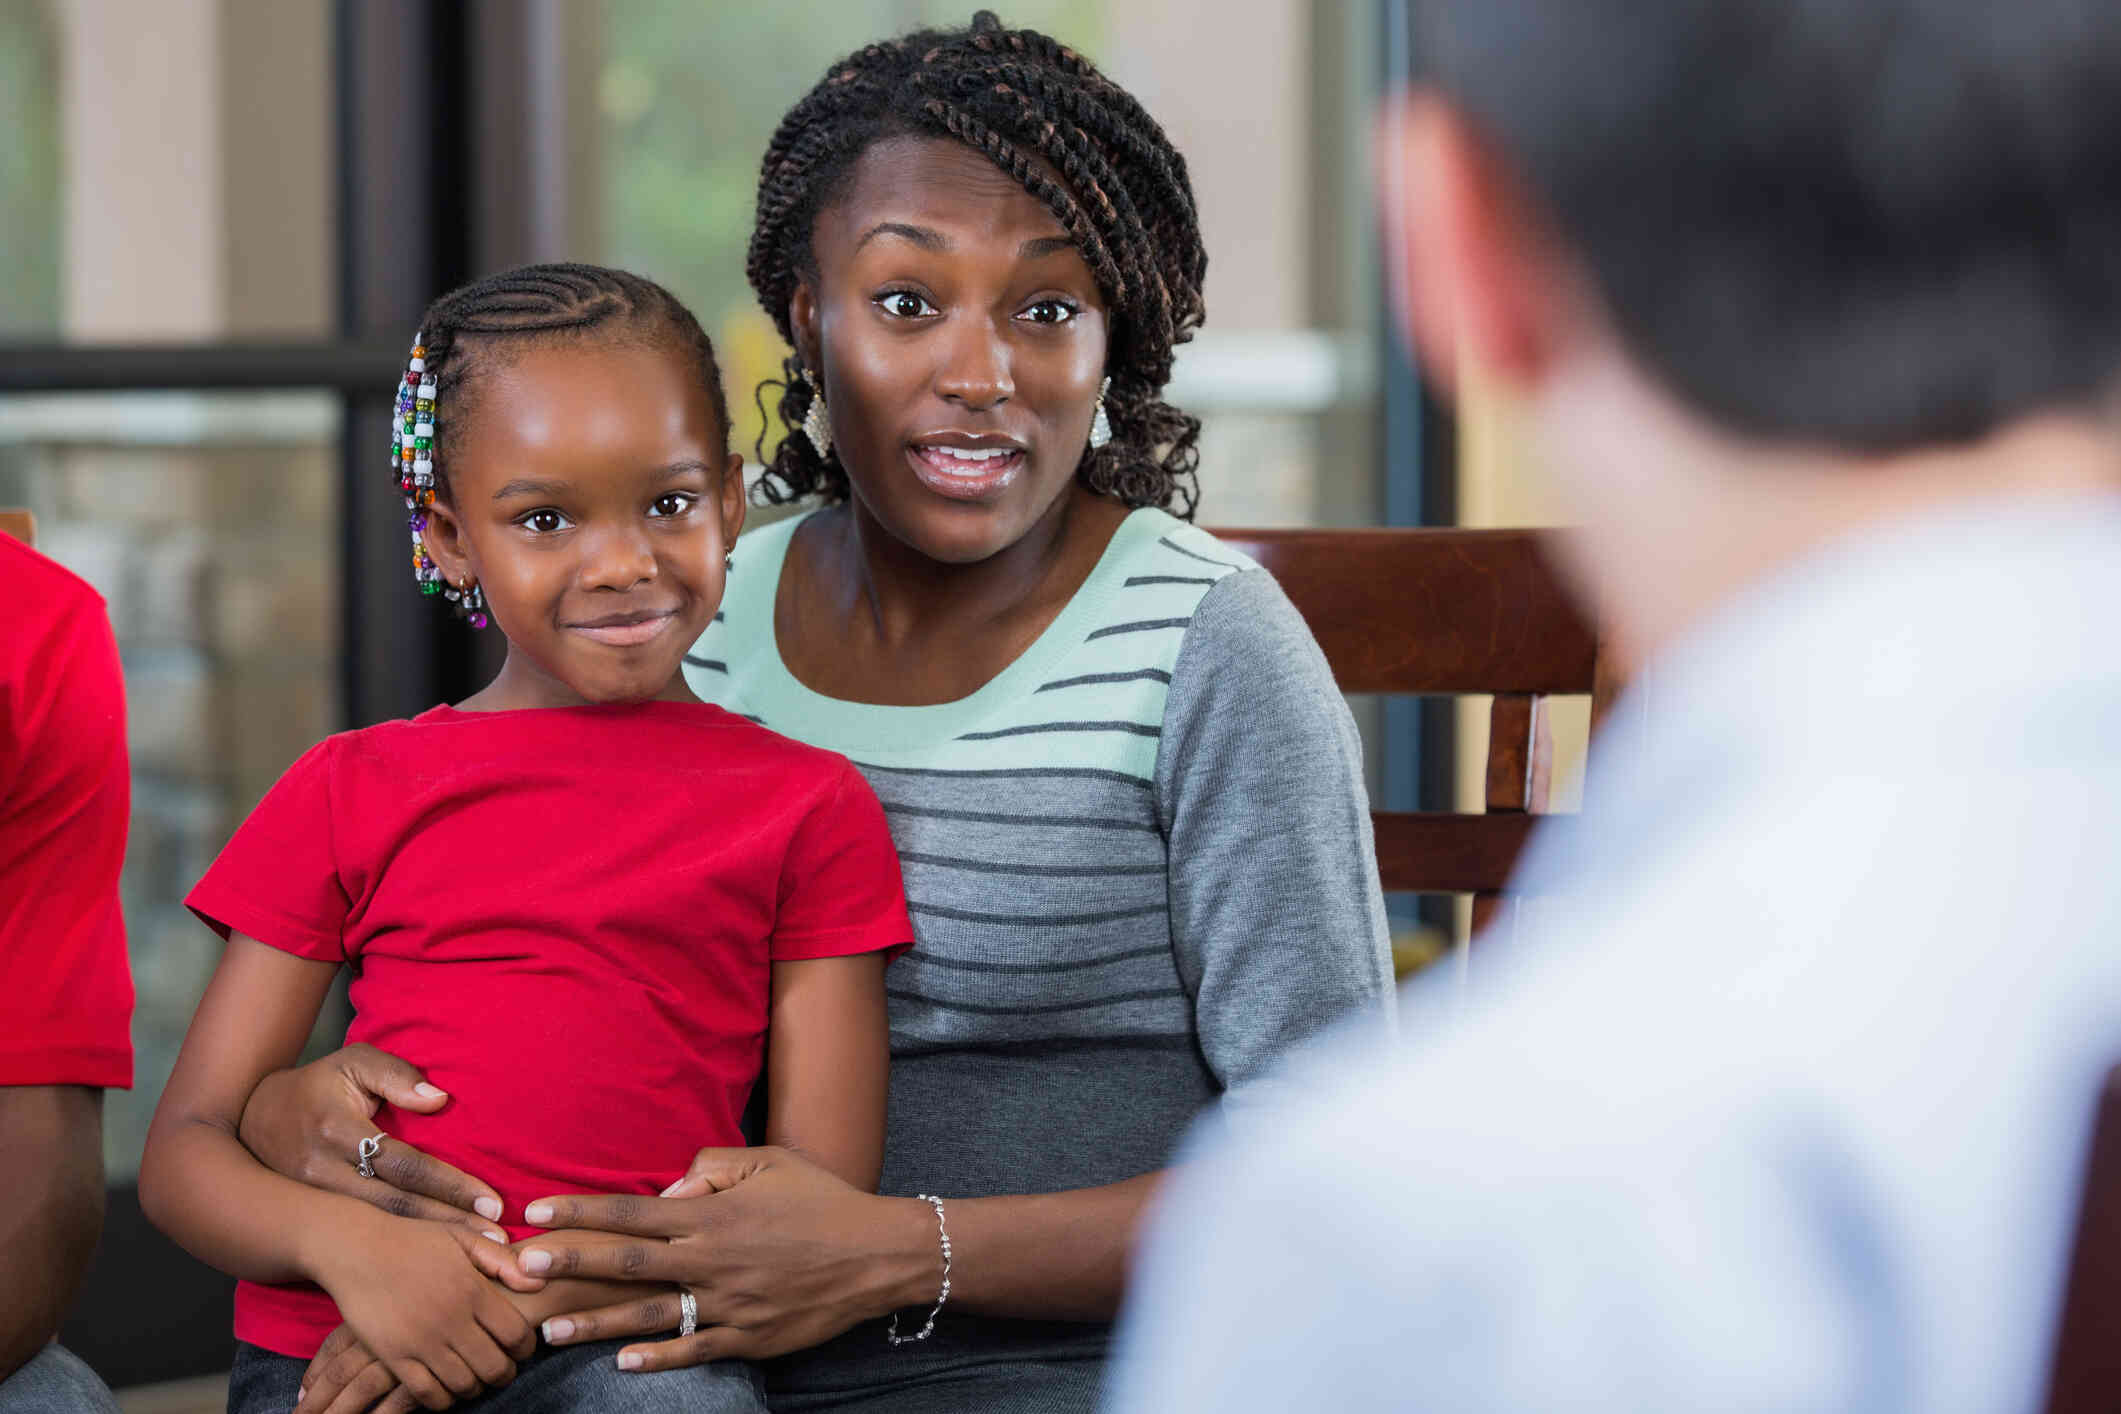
<point x="817" y="425"/>
<point x="1100" y="425"/>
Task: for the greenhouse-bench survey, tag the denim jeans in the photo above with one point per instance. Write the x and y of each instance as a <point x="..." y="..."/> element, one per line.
<point x="55" y="1382"/>
<point x="584" y="1379"/>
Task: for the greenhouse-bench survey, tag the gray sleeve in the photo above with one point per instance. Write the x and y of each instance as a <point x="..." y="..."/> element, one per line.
<point x="1276" y="913"/>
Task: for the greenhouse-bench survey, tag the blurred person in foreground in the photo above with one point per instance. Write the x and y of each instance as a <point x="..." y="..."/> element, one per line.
<point x="1814" y="309"/>
<point x="66" y="994"/>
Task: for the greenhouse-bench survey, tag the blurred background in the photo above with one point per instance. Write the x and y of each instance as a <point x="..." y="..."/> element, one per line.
<point x="219" y="220"/>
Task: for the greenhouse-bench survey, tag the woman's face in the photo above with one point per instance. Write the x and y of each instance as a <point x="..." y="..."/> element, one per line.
<point x="962" y="341"/>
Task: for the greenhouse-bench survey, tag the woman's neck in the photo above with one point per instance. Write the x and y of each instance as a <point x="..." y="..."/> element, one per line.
<point x="863" y="616"/>
<point x="904" y="596"/>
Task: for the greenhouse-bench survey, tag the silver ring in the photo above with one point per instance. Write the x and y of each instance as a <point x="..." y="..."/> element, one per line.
<point x="688" y="1314"/>
<point x="370" y="1147"/>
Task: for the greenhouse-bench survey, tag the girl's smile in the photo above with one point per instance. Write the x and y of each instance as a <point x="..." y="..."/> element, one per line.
<point x="628" y="630"/>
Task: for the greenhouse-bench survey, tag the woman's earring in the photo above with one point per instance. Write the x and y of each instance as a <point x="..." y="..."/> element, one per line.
<point x="728" y="564"/>
<point x="817" y="425"/>
<point x="1100" y="425"/>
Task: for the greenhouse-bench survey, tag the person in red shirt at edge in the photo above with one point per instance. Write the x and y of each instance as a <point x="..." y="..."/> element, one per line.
<point x="66" y="994"/>
<point x="523" y="901"/>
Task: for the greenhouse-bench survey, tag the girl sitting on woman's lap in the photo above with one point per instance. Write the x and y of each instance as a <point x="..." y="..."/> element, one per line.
<point x="523" y="899"/>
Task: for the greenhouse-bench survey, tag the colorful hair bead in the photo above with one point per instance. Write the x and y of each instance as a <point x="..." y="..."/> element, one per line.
<point x="412" y="469"/>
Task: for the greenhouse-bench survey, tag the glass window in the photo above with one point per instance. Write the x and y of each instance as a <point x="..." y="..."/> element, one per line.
<point x="167" y="173"/>
<point x="209" y="525"/>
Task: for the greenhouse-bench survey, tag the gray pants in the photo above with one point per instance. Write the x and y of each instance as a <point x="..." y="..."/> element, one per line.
<point x="556" y="1380"/>
<point x="55" y="1382"/>
<point x="1014" y="1387"/>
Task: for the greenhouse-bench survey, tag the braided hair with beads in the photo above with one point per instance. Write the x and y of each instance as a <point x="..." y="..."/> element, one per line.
<point x="1038" y="111"/>
<point x="472" y="326"/>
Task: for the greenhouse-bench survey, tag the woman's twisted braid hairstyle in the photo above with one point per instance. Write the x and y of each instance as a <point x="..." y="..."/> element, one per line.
<point x="465" y="331"/>
<point x="1035" y="108"/>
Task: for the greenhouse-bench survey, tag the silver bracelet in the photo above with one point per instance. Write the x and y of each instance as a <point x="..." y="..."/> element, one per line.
<point x="891" y="1331"/>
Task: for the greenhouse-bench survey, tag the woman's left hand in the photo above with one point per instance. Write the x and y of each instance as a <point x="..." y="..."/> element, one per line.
<point x="778" y="1253"/>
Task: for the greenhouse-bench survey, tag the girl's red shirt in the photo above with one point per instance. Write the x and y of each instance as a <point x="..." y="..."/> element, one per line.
<point x="567" y="918"/>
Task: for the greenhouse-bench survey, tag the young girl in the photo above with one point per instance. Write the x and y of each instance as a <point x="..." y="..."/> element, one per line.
<point x="525" y="901"/>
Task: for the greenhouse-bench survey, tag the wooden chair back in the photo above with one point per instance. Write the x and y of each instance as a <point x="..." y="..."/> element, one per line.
<point x="1458" y="612"/>
<point x="2086" y="1375"/>
<point x="20" y="524"/>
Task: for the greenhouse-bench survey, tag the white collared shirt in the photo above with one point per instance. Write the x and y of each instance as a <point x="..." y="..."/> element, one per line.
<point x="1781" y="1101"/>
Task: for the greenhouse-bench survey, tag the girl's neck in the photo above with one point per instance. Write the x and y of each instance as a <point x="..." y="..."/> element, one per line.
<point x="522" y="684"/>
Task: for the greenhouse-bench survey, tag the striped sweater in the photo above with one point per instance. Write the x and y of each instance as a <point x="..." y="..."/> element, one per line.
<point x="1139" y="867"/>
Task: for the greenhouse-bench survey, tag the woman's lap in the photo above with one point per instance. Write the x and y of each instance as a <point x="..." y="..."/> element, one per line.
<point x="580" y="1379"/>
<point x="1019" y="1387"/>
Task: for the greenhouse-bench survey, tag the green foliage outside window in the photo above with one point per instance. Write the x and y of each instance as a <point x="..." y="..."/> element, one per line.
<point x="29" y="171"/>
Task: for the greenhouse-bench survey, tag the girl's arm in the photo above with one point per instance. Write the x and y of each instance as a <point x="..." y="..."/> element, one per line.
<point x="828" y="1063"/>
<point x="411" y="1289"/>
<point x="223" y="1209"/>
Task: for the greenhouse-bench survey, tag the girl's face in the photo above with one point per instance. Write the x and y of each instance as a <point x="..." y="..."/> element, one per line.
<point x="962" y="340"/>
<point x="593" y="497"/>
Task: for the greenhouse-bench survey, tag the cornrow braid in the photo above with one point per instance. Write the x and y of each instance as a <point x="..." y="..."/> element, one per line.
<point x="464" y="331"/>
<point x="1070" y="137"/>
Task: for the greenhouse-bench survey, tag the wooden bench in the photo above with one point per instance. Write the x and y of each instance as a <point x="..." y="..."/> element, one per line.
<point x="1453" y="612"/>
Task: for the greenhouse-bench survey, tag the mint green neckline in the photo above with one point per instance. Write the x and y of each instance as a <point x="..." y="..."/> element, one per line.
<point x="788" y="705"/>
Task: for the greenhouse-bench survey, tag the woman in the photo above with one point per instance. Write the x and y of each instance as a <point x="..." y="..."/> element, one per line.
<point x="1126" y="795"/>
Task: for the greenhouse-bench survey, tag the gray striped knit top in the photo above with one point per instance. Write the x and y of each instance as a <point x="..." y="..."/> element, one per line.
<point x="1140" y="869"/>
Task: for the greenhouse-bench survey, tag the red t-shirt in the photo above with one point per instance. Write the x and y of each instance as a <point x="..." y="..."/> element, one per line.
<point x="566" y="917"/>
<point x="66" y="994"/>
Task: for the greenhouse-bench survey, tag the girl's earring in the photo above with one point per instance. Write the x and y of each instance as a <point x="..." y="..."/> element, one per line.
<point x="474" y="604"/>
<point x="728" y="564"/>
<point x="1100" y="425"/>
<point x="817" y="425"/>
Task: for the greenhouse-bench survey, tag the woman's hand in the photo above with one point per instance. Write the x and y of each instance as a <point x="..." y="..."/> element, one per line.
<point x="308" y="1123"/>
<point x="413" y="1294"/>
<point x="778" y="1253"/>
